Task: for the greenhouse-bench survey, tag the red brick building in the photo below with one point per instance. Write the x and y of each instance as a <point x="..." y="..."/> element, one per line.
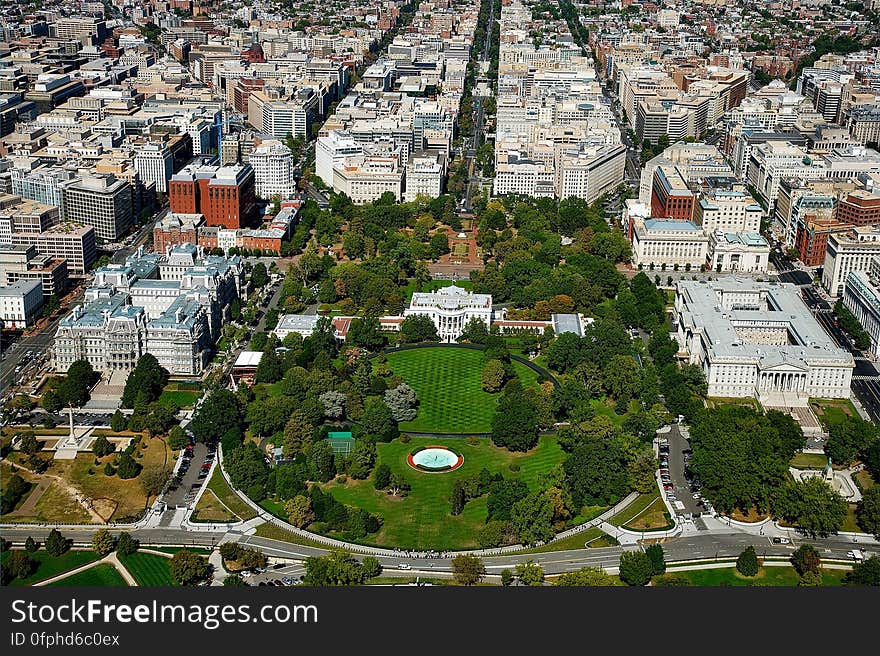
<point x="671" y="198"/>
<point x="859" y="208"/>
<point x="224" y="195"/>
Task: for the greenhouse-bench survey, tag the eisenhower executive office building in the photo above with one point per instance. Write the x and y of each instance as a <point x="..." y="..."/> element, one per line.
<point x="759" y="339"/>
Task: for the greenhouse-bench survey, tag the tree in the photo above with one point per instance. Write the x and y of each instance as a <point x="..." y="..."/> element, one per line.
<point x="126" y="545"/>
<point x="177" y="438"/>
<point x="217" y="414"/>
<point x="234" y="580"/>
<point x="371" y="567"/>
<point x="298" y="434"/>
<point x="366" y="333"/>
<point x="622" y="377"/>
<point x="118" y="422"/>
<point x="18" y="565"/>
<point x="502" y="495"/>
<point x="506" y="577"/>
<point x="868" y="511"/>
<point x="29" y="444"/>
<point x="153" y="479"/>
<point x="657" y="557"/>
<point x="532" y="518"/>
<point x="747" y="563"/>
<point x="188" y="568"/>
<point x="515" y="423"/>
<point x="321" y="461"/>
<point x="641" y="471"/>
<point x="403" y="402"/>
<point x="530" y="573"/>
<point x="459" y="497"/>
<point x="866" y="573"/>
<point x="806" y="559"/>
<point x="439" y="245"/>
<point x="334" y="404"/>
<point x="31" y="545"/>
<point x="56" y="544"/>
<point x="586" y="576"/>
<point x="382" y="476"/>
<point x="259" y="276"/>
<point x="51" y="401"/>
<point x="467" y="570"/>
<point x="595" y="473"/>
<point x="102" y="447"/>
<point x="418" y="328"/>
<point x="338" y="568"/>
<point x="75" y="389"/>
<point x="270" y="369"/>
<point x="247" y="470"/>
<point x="102" y="542"/>
<point x="494" y="375"/>
<point x="146" y="381"/>
<point x="636" y="567"/>
<point x="811" y="505"/>
<point x="127" y="468"/>
<point x="378" y="420"/>
<point x="475" y="331"/>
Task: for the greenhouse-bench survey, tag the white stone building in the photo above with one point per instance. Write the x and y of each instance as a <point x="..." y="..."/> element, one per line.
<point x="450" y="308"/>
<point x="861" y="295"/>
<point x="759" y="340"/>
<point x="850" y="251"/>
<point x="272" y="162"/>
<point x="20" y="302"/>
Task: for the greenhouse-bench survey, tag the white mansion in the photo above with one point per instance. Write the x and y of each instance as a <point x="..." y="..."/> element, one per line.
<point x="759" y="339"/>
<point x="171" y="305"/>
<point x="450" y="308"/>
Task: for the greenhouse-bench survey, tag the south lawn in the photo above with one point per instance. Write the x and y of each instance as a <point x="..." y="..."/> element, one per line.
<point x="422" y="520"/>
<point x="102" y="575"/>
<point x="448" y="383"/>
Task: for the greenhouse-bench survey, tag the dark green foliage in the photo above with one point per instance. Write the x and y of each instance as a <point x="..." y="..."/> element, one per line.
<point x="30" y="544"/>
<point x="118" y="422"/>
<point x="75" y="389"/>
<point x="812" y="505"/>
<point x="247" y="470"/>
<point x="596" y="473"/>
<point x="418" y="328"/>
<point x="806" y="559"/>
<point x="747" y="563"/>
<point x="515" y="424"/>
<point x="866" y="573"/>
<point x="657" y="557"/>
<point x="14" y="490"/>
<point x="102" y="447"/>
<point x="636" y="568"/>
<point x="382" y="477"/>
<point x="145" y="382"/>
<point x="128" y="467"/>
<point x="188" y="568"/>
<point x="502" y="495"/>
<point x="126" y="545"/>
<point x="57" y="544"/>
<point x="217" y="414"/>
<point x="868" y="511"/>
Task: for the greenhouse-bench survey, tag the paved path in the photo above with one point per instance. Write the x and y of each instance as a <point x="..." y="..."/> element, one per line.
<point x="109" y="559"/>
<point x="27" y="508"/>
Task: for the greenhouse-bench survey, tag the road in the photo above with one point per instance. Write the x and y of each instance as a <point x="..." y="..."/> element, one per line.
<point x="709" y="546"/>
<point x="479" y="124"/>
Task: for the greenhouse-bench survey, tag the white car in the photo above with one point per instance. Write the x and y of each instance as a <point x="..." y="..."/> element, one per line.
<point x="404" y="566"/>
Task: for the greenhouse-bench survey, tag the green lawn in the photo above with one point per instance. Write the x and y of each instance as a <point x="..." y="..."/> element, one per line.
<point x="148" y="569"/>
<point x="591" y="538"/>
<point x="49" y="566"/>
<point x="182" y="398"/>
<point x="422" y="520"/>
<point x="448" y="382"/>
<point x="770" y="576"/>
<point x="102" y="575"/>
<point x="809" y="461"/>
<point x="634" y="509"/>
<point x="230" y="499"/>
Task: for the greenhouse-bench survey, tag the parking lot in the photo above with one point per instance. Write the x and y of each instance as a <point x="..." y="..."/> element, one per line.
<point x="191" y="477"/>
<point x="681" y="490"/>
<point x="279" y="574"/>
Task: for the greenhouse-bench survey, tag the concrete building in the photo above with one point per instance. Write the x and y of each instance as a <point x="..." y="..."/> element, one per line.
<point x="728" y="210"/>
<point x="669" y="243"/>
<point x="450" y="308"/>
<point x="272" y="162"/>
<point x="365" y="178"/>
<point x="746" y="252"/>
<point x="154" y="163"/>
<point x="73" y="243"/>
<point x="759" y="340"/>
<point x="20" y="303"/>
<point x="861" y="296"/>
<point x="332" y="150"/>
<point x="850" y="251"/>
<point x="22" y="262"/>
<point x="101" y="201"/>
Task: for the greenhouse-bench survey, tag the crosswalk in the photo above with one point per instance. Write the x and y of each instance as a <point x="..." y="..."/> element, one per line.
<point x="875" y="377"/>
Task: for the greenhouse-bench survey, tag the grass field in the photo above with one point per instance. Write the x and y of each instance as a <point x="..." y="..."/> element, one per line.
<point x="269" y="530"/>
<point x="115" y="498"/>
<point x="448" y="382"/>
<point x="220" y="488"/>
<point x="102" y="575"/>
<point x="654" y="517"/>
<point x="182" y="398"/>
<point x="832" y="411"/>
<point x="770" y="576"/>
<point x="809" y="461"/>
<point x="634" y="509"/>
<point x="422" y="520"/>
<point x="55" y="505"/>
<point x="209" y="509"/>
<point x="148" y="569"/>
<point x="49" y="566"/>
<point x="591" y="538"/>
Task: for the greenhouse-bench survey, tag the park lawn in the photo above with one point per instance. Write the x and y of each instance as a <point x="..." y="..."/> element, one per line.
<point x="272" y="532"/>
<point x="422" y="520"/>
<point x="601" y="407"/>
<point x="48" y="566"/>
<point x="55" y="506"/>
<point x="448" y="382"/>
<point x="181" y="398"/>
<point x="229" y="498"/>
<point x="148" y="569"/>
<point x="591" y="538"/>
<point x="770" y="576"/>
<point x="116" y="498"/>
<point x="104" y="575"/>
<point x="809" y="461"/>
<point x="654" y="517"/>
<point x="851" y="521"/>
<point x="832" y="411"/>
<point x="865" y="479"/>
<point x="634" y="509"/>
<point x="211" y="509"/>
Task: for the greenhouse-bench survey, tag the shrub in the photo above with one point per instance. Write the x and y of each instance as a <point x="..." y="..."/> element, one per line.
<point x="747" y="563"/>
